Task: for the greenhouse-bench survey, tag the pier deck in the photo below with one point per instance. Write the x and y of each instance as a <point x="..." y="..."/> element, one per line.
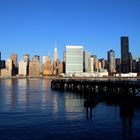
<point x="102" y="85"/>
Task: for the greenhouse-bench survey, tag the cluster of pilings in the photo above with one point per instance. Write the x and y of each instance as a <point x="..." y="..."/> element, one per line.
<point x="119" y="87"/>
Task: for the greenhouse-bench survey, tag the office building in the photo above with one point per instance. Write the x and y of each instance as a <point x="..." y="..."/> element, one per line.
<point x="125" y="55"/>
<point x="138" y="67"/>
<point x="26" y="58"/>
<point x="55" y="55"/>
<point x="47" y="67"/>
<point x="98" y="65"/>
<point x="7" y="71"/>
<point x="55" y="62"/>
<point x="93" y="60"/>
<point x="87" y="61"/>
<point x="45" y="59"/>
<point x="34" y="70"/>
<point x="64" y="56"/>
<point x="111" y="62"/>
<point x="103" y="63"/>
<point x="36" y="58"/>
<point x="118" y="65"/>
<point x="14" y="59"/>
<point x="60" y="66"/>
<point x="2" y="64"/>
<point x="22" y="68"/>
<point x="74" y="59"/>
<point x="130" y="61"/>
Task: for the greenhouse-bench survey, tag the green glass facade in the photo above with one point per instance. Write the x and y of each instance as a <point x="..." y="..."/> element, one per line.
<point x="74" y="59"/>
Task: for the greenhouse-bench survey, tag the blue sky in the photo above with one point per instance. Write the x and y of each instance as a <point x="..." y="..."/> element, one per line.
<point x="33" y="26"/>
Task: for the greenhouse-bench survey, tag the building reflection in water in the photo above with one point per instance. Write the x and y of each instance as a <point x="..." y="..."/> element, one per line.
<point x="6" y="97"/>
<point x="73" y="105"/>
<point x="89" y="104"/>
<point x="46" y="98"/>
<point x="23" y="98"/>
<point x="127" y="114"/>
<point x="55" y="104"/>
<point x="15" y="97"/>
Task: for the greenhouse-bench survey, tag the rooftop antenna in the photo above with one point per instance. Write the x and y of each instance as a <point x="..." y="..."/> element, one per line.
<point x="55" y="44"/>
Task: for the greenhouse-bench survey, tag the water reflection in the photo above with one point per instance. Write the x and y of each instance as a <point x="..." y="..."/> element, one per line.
<point x="46" y="113"/>
<point x="126" y="110"/>
<point x="127" y="114"/>
<point x="89" y="104"/>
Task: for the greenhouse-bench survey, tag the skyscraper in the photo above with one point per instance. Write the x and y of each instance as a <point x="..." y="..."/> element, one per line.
<point x="7" y="72"/>
<point x="92" y="66"/>
<point x="74" y="59"/>
<point x="111" y="61"/>
<point x="55" y="55"/>
<point x="118" y="65"/>
<point x="34" y="69"/>
<point x="55" y="61"/>
<point x="125" y="61"/>
<point x="36" y="58"/>
<point x="45" y="59"/>
<point x="0" y="63"/>
<point x="47" y="66"/>
<point x="14" y="58"/>
<point x="26" y="58"/>
<point x="87" y="61"/>
<point x="22" y="68"/>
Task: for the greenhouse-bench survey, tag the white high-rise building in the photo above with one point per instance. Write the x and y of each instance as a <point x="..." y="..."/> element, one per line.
<point x="22" y="68"/>
<point x="74" y="59"/>
<point x="111" y="61"/>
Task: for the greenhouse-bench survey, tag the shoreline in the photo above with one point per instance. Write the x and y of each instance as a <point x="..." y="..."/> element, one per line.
<point x="25" y="77"/>
<point x="86" y="78"/>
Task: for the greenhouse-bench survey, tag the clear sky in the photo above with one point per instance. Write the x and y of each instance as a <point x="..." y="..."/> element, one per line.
<point x="33" y="26"/>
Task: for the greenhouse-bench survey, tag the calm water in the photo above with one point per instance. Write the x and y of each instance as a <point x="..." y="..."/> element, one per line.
<point x="30" y="110"/>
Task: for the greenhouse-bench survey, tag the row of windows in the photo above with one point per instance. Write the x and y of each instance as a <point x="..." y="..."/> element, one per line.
<point x="74" y="68"/>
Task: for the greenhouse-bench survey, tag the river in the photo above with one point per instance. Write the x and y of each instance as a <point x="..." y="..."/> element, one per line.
<point x="29" y="109"/>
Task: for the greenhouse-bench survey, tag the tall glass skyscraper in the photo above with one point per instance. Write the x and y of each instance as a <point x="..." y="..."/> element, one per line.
<point x="74" y="59"/>
<point x="125" y="61"/>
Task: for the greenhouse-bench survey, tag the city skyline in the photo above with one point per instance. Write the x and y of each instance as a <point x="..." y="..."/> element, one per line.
<point x="56" y="54"/>
<point x="33" y="27"/>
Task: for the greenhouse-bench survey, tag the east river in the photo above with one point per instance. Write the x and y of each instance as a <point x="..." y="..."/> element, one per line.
<point x="29" y="109"/>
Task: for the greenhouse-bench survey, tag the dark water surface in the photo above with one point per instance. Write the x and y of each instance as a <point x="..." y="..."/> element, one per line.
<point x="30" y="110"/>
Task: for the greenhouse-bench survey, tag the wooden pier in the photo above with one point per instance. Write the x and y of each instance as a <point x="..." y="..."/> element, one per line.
<point x="99" y="90"/>
<point x="92" y="86"/>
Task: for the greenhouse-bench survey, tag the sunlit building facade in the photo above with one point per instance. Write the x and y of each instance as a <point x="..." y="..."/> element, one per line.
<point x="34" y="70"/>
<point x="74" y="59"/>
<point x="22" y="71"/>
<point x="111" y="61"/>
<point x="47" y="66"/>
<point x="87" y="61"/>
